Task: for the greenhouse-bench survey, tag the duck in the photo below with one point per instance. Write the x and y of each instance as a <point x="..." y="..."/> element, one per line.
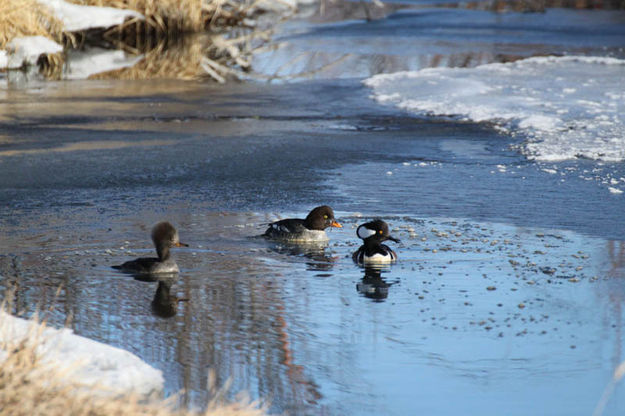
<point x="312" y="228"/>
<point x="373" y="251"/>
<point x="164" y="236"/>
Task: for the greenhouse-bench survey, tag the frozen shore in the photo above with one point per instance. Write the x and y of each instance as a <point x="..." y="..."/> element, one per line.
<point x="84" y="361"/>
<point x="568" y="107"/>
<point x="27" y="49"/>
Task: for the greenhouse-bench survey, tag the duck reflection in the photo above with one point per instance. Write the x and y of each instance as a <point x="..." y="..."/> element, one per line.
<point x="372" y="285"/>
<point x="316" y="253"/>
<point x="164" y="304"/>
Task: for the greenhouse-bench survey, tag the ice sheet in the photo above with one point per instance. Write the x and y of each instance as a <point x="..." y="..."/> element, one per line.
<point x="567" y="107"/>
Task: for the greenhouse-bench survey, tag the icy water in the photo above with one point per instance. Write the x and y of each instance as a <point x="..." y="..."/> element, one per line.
<point x="507" y="298"/>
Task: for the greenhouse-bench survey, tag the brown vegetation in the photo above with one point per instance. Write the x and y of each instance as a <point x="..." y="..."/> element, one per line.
<point x="31" y="387"/>
<point x="210" y="56"/>
<point x="27" y="18"/>
<point x="172" y="18"/>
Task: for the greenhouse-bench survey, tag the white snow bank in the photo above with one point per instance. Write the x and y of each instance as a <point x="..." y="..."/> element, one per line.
<point x="88" y="361"/>
<point x="26" y="50"/>
<point x="568" y="107"/>
<point x="76" y="17"/>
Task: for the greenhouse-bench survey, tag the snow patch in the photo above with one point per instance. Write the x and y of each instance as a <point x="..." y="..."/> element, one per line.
<point x="84" y="360"/>
<point x="550" y="171"/>
<point x="567" y="107"/>
<point x="26" y="50"/>
<point x="76" y="17"/>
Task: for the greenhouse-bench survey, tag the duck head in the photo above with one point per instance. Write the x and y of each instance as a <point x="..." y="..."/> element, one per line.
<point x="165" y="236"/>
<point x="376" y="230"/>
<point x="321" y="218"/>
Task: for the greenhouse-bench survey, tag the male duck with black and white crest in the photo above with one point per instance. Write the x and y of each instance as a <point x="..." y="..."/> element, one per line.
<point x="373" y="251"/>
<point x="164" y="236"/>
<point x="310" y="229"/>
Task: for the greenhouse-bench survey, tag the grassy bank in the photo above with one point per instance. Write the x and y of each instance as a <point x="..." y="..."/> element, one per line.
<point x="27" y="18"/>
<point x="29" y="386"/>
<point x="229" y="24"/>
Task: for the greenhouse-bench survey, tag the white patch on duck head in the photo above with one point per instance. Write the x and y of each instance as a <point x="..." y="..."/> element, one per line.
<point x="364" y="232"/>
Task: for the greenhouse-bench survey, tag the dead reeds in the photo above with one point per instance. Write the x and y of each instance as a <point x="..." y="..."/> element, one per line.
<point x="167" y="19"/>
<point x="208" y="56"/>
<point x="30" y="386"/>
<point x="27" y="18"/>
<point x="228" y="28"/>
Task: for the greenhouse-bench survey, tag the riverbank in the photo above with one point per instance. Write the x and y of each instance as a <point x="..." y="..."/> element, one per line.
<point x="44" y="36"/>
<point x="55" y="372"/>
<point x="506" y="296"/>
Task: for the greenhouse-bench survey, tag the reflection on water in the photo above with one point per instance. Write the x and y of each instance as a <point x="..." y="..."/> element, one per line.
<point x="258" y="313"/>
<point x="616" y="254"/>
<point x="165" y="304"/>
<point x="460" y="35"/>
<point x="317" y="254"/>
<point x="372" y="285"/>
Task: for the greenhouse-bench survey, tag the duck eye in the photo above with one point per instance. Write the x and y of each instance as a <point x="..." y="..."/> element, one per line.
<point x="325" y="217"/>
<point x="380" y="231"/>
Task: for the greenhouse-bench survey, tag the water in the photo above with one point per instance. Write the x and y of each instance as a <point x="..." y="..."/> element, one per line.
<point x="506" y="299"/>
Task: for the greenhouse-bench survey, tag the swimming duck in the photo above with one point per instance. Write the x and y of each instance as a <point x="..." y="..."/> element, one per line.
<point x="373" y="251"/>
<point x="164" y="236"/>
<point x="310" y="229"/>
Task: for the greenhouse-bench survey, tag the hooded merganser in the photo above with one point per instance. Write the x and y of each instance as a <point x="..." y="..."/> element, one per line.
<point x="309" y="229"/>
<point x="164" y="236"/>
<point x="373" y="251"/>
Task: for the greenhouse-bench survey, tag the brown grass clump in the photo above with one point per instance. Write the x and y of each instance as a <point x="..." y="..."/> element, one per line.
<point x="183" y="16"/>
<point x="31" y="387"/>
<point x="206" y="56"/>
<point x="27" y="18"/>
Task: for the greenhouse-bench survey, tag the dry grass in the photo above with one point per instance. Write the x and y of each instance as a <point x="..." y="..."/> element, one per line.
<point x="173" y="17"/>
<point x="31" y="387"/>
<point x="27" y="18"/>
<point x="158" y="36"/>
<point x="208" y="56"/>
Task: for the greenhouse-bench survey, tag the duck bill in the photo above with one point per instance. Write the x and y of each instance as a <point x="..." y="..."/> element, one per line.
<point x="335" y="224"/>
<point x="390" y="237"/>
<point x="179" y="244"/>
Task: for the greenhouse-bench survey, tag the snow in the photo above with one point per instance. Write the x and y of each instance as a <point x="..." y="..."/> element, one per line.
<point x="86" y="361"/>
<point x="76" y="17"/>
<point x="566" y="107"/>
<point x="28" y="49"/>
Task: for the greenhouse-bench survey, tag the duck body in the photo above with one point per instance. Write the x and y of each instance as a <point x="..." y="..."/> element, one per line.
<point x="149" y="265"/>
<point x="310" y="229"/>
<point x="373" y="251"/>
<point x="164" y="236"/>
